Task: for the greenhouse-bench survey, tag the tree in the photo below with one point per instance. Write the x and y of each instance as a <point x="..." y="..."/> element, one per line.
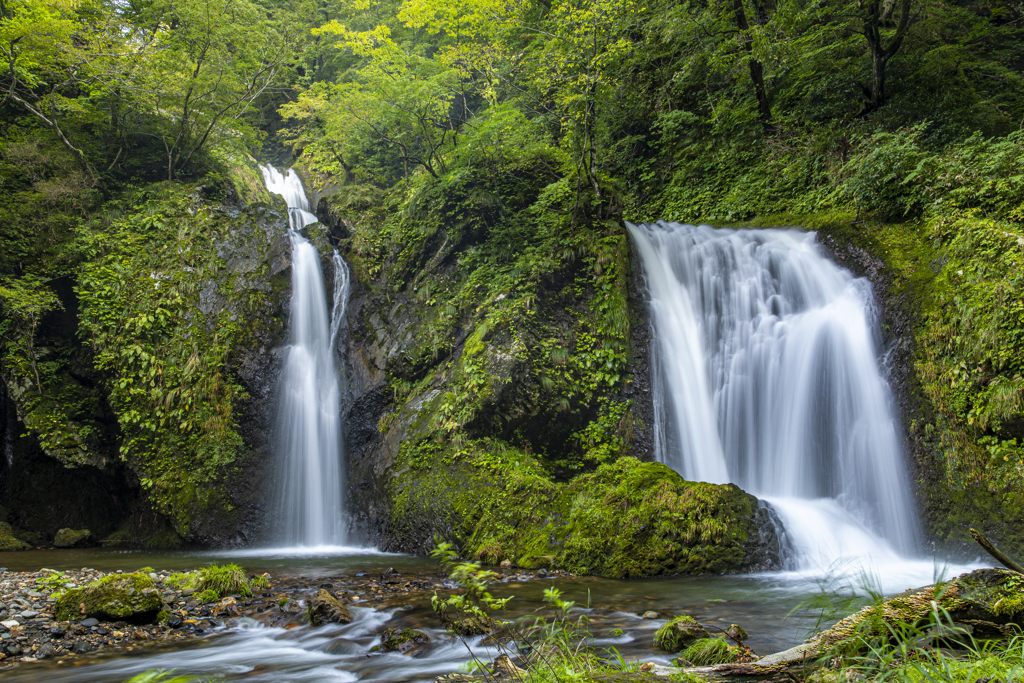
<point x="876" y="16"/>
<point x="37" y="45"/>
<point x="211" y="59"/>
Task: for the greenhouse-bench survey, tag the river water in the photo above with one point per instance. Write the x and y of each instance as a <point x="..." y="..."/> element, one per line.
<point x="762" y="604"/>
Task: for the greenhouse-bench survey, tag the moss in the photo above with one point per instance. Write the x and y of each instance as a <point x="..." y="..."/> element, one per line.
<point x="129" y="597"/>
<point x="8" y="540"/>
<point x="627" y="518"/>
<point x="679" y="632"/>
<point x="71" y="538"/>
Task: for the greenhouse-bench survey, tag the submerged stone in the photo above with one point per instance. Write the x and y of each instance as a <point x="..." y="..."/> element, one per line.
<point x="129" y="597"/>
<point x="403" y="640"/>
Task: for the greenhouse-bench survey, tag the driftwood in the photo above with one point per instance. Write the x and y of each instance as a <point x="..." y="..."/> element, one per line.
<point x="996" y="552"/>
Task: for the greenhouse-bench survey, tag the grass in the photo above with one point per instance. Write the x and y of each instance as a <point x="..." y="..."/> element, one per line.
<point x="708" y="651"/>
<point x="228" y="579"/>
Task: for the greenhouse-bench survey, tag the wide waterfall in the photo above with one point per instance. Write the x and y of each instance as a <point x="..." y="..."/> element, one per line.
<point x="766" y="373"/>
<point x="311" y="494"/>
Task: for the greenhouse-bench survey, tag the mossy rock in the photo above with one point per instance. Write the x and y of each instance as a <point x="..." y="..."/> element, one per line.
<point x="628" y="518"/>
<point x="116" y="597"/>
<point x="403" y="640"/>
<point x="8" y="540"/>
<point x="678" y="633"/>
<point x="73" y="538"/>
<point x="989" y="603"/>
<point x="324" y="608"/>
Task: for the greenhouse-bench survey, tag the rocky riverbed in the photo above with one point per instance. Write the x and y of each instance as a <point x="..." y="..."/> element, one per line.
<point x="30" y="630"/>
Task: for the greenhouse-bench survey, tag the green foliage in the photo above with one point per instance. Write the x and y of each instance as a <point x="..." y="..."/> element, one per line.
<point x="224" y="579"/>
<point x="163" y="676"/>
<point x="208" y="595"/>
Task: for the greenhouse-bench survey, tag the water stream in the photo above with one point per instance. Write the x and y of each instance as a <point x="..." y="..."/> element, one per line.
<point x="311" y="509"/>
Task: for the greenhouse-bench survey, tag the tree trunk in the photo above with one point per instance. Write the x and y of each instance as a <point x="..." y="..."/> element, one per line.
<point x="764" y="110"/>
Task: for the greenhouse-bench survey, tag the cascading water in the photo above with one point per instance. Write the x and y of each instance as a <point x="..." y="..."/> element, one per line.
<point x="311" y="500"/>
<point x="766" y="374"/>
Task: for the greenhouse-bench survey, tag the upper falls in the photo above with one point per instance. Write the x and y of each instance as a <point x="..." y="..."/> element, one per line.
<point x="311" y="509"/>
<point x="766" y="374"/>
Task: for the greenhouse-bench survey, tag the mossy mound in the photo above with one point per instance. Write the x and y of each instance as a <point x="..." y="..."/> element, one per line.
<point x="678" y="633"/>
<point x="116" y="597"/>
<point x="988" y="603"/>
<point x="73" y="538"/>
<point x="627" y="518"/>
<point x="8" y="540"/>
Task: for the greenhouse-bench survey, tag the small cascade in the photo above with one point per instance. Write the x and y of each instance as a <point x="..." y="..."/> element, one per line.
<point x="311" y="496"/>
<point x="766" y="374"/>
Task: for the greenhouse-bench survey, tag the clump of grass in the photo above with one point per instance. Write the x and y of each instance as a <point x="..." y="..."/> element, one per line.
<point x="708" y="651"/>
<point x="225" y="580"/>
<point x="146" y="570"/>
<point x="208" y="595"/>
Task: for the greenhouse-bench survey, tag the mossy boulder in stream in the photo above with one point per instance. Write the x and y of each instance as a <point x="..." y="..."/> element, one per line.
<point x="116" y="597"/>
<point x="627" y="518"/>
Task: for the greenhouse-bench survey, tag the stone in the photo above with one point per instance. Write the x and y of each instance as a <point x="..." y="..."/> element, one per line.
<point x="679" y="633"/>
<point x="736" y="632"/>
<point x="650" y="614"/>
<point x="324" y="608"/>
<point x="10" y="623"/>
<point x="74" y="538"/>
<point x="130" y="597"/>
<point x="402" y="640"/>
<point x="506" y="564"/>
<point x="44" y="651"/>
<point x="81" y="647"/>
<point x="8" y="541"/>
<point x="90" y="622"/>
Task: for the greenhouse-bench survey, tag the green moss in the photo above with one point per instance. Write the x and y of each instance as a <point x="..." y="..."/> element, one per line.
<point x="128" y="597"/>
<point x="69" y="538"/>
<point x="8" y="540"/>
<point x="679" y="632"/>
<point x="627" y="518"/>
<point x="401" y="639"/>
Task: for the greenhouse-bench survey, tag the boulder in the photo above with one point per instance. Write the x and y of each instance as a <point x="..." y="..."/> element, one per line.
<point x="74" y="538"/>
<point x="116" y="597"/>
<point x="402" y="640"/>
<point x="324" y="608"/>
<point x="679" y="633"/>
<point x="8" y="541"/>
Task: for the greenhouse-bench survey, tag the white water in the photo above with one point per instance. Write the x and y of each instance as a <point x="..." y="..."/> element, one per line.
<point x="311" y="510"/>
<point x="766" y="374"/>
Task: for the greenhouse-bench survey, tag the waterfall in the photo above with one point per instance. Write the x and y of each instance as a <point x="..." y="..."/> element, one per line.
<point x="310" y="498"/>
<point x="766" y="374"/>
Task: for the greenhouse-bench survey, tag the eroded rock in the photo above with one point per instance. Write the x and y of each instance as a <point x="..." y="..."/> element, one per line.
<point x="128" y="597"/>
<point x="324" y="608"/>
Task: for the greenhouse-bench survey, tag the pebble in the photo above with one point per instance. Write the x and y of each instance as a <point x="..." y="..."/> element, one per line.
<point x="650" y="614"/>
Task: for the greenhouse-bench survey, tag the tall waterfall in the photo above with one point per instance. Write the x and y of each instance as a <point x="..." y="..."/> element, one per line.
<point x="311" y="495"/>
<point x="766" y="374"/>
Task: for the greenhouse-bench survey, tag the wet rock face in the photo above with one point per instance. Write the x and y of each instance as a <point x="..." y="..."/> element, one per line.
<point x="402" y="640"/>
